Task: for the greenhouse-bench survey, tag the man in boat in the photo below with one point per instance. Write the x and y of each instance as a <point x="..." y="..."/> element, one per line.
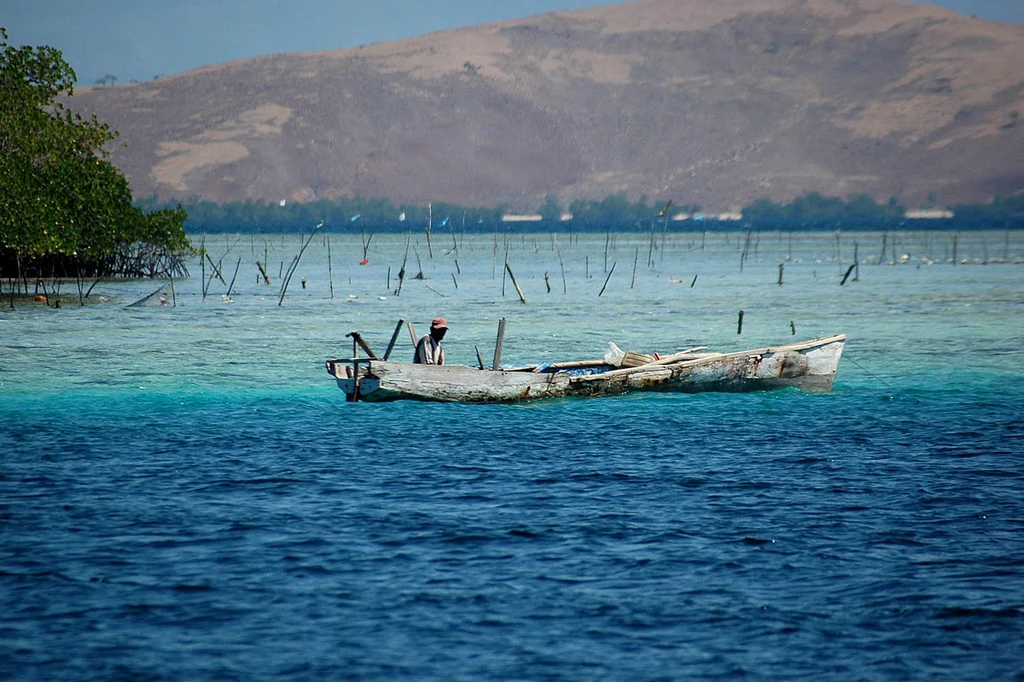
<point x="429" y="350"/>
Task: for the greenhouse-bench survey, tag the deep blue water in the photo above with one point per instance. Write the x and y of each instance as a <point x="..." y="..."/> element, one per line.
<point x="184" y="495"/>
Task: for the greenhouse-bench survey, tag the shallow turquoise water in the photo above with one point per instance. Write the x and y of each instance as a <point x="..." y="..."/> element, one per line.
<point x="184" y="493"/>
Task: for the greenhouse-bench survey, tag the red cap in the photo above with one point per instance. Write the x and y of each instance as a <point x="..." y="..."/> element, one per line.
<point x="439" y="323"/>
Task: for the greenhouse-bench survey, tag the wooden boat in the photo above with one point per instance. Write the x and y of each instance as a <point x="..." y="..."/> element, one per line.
<point x="810" y="366"/>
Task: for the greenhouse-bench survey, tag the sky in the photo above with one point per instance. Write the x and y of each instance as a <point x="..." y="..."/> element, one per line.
<point x="144" y="39"/>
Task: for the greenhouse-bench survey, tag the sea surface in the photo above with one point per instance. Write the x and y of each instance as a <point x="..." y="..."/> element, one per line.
<point x="186" y="495"/>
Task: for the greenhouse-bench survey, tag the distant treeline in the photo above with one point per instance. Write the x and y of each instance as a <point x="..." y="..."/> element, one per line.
<point x="808" y="212"/>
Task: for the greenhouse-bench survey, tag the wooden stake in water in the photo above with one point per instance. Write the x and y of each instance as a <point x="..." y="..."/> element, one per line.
<point x="498" y="344"/>
<point x="606" y="280"/>
<point x="782" y="267"/>
<point x="295" y="264"/>
<point x="839" y="250"/>
<point x="451" y="226"/>
<point x="239" y="263"/>
<point x="739" y="324"/>
<point x="636" y="256"/>
<point x="394" y="338"/>
<point x="430" y="225"/>
<point x="366" y="247"/>
<point x="494" y="254"/>
<point x="419" y="264"/>
<point x="263" y="273"/>
<point x="561" y="266"/>
<point x="401" y="273"/>
<point x="330" y="269"/>
<point x="650" y="247"/>
<point x="746" y="250"/>
<point x="516" y="284"/>
<point x="504" y="270"/>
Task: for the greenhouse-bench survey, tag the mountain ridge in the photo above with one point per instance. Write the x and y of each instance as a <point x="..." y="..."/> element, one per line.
<point x="718" y="104"/>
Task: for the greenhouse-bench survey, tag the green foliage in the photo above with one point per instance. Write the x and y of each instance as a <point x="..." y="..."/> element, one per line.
<point x="61" y="201"/>
<point x="814" y="206"/>
<point x="615" y="207"/>
<point x="1001" y="208"/>
<point x="551" y="209"/>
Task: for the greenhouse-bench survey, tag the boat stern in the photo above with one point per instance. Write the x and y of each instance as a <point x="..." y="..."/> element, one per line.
<point x="353" y="377"/>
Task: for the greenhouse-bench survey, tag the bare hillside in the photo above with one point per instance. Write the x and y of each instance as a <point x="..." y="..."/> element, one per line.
<point x="715" y="102"/>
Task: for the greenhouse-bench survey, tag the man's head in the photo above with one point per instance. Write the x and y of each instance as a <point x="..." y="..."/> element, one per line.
<point x="438" y="327"/>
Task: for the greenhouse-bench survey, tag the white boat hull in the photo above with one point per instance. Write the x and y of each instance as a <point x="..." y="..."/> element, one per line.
<point x="809" y="366"/>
